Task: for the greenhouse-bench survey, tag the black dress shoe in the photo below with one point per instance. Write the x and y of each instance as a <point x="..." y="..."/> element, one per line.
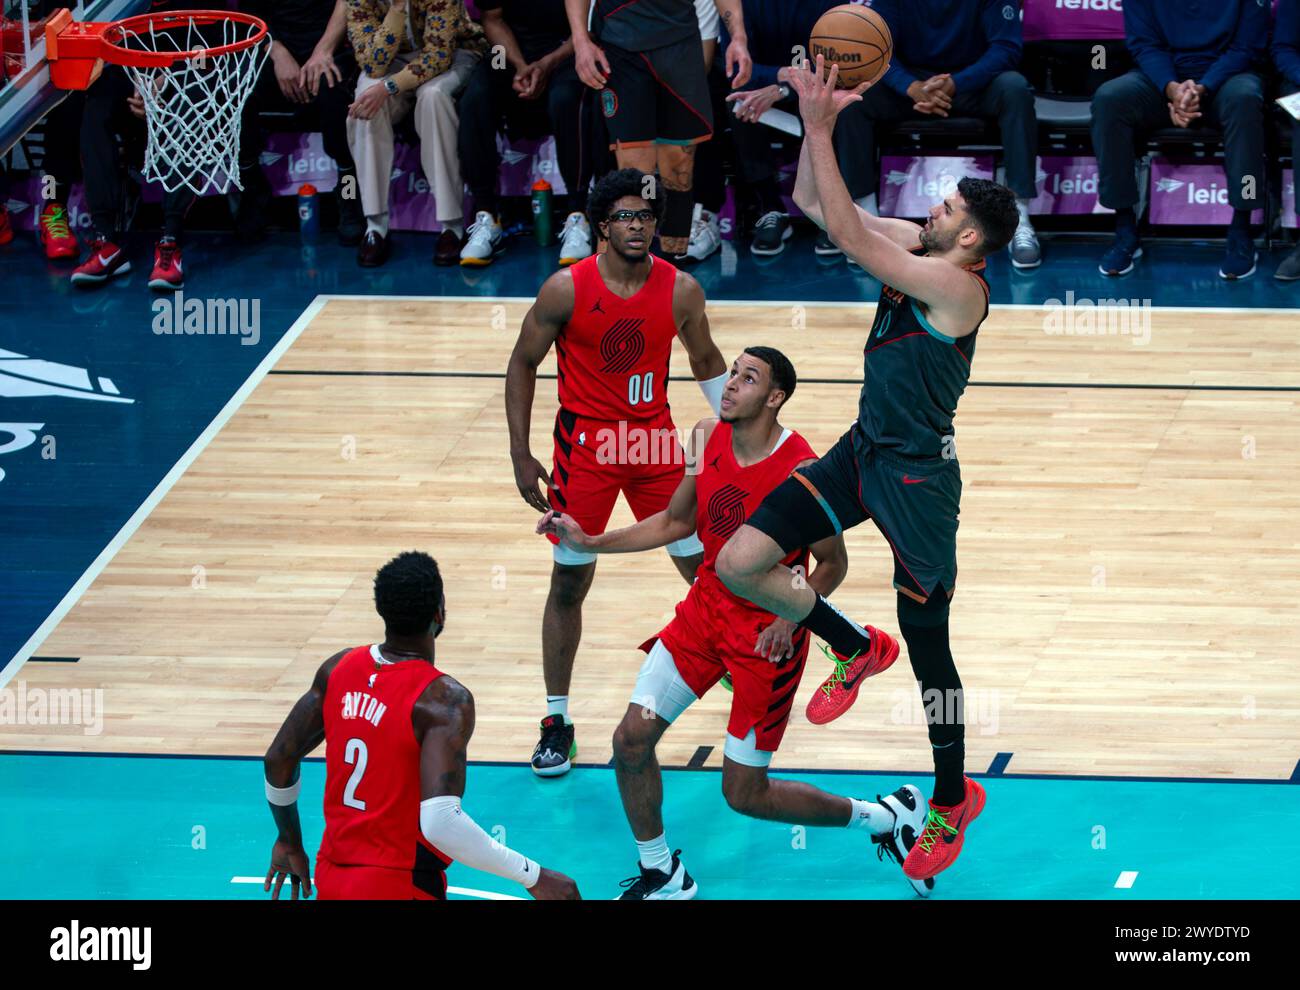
<point x="352" y="221"/>
<point x="447" y="250"/>
<point x="373" y="251"/>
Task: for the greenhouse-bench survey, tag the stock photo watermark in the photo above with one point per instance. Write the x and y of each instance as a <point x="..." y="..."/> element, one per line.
<point x="21" y="706"/>
<point x="1078" y="316"/>
<point x="237" y="317"/>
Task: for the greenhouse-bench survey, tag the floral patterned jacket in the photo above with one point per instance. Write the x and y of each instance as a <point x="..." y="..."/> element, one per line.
<point x="440" y="27"/>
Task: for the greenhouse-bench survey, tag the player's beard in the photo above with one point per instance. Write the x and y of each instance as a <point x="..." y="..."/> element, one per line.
<point x="936" y="242"/>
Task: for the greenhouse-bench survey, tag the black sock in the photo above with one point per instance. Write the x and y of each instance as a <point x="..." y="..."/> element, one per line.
<point x="950" y="772"/>
<point x="843" y="635"/>
<point x="1126" y="222"/>
<point x="1240" y="222"/>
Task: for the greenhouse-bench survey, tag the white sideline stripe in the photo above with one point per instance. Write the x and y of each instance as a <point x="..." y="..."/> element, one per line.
<point x="1126" y="878"/>
<point x="486" y="895"/>
<point x="820" y="303"/>
<point x="156" y="496"/>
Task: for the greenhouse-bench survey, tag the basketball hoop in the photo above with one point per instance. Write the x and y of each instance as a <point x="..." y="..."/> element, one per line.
<point x="193" y="70"/>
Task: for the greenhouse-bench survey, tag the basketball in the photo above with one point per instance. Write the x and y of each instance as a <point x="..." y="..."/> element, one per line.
<point x="856" y="39"/>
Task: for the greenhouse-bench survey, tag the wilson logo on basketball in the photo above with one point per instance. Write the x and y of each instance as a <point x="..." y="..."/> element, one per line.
<point x="622" y="346"/>
<point x="833" y="54"/>
<point x="726" y="511"/>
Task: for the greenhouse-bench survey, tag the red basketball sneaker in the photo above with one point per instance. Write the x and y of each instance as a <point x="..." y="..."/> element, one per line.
<point x="106" y="260"/>
<point x="838" y="692"/>
<point x="6" y="231"/>
<point x="53" y="233"/>
<point x="167" y="275"/>
<point x="941" y="839"/>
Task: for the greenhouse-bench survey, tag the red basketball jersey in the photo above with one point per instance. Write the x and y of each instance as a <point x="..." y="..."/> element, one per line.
<point x="372" y="765"/>
<point x="726" y="494"/>
<point x="613" y="353"/>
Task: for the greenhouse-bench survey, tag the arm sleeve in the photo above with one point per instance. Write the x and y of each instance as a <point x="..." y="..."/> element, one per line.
<point x="1249" y="41"/>
<point x="1147" y="46"/>
<point x="1286" y="40"/>
<point x="445" y="824"/>
<point x="1003" y="41"/>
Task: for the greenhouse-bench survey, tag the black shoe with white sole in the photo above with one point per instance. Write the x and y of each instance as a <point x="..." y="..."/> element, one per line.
<point x="556" y="749"/>
<point x="910" y="810"/>
<point x="656" y="885"/>
<point x="770" y="234"/>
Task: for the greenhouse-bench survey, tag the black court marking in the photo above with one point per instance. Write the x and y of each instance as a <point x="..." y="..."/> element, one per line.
<point x="696" y="762"/>
<point x="818" y="381"/>
<point x="1116" y="778"/>
<point x="998" y="765"/>
<point x="53" y="659"/>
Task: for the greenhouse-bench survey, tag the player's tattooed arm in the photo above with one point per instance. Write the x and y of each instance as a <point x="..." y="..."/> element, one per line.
<point x="693" y="329"/>
<point x="739" y="66"/>
<point x="542" y="325"/>
<point x="443" y="718"/>
<point x="301" y="732"/>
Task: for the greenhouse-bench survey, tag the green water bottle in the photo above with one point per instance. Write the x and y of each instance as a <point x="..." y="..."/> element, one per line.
<point x="542" y="212"/>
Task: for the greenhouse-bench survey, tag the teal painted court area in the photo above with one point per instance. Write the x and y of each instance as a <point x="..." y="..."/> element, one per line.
<point x="127" y="827"/>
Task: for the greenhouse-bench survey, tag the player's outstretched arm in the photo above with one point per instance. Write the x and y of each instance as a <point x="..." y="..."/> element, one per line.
<point x="301" y="732"/>
<point x="955" y="304"/>
<point x="673" y="523"/>
<point x="708" y="366"/>
<point x="443" y="719"/>
<point x="542" y="324"/>
<point x="904" y="233"/>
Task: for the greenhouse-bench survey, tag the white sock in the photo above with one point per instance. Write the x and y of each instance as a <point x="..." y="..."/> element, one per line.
<point x="1022" y="206"/>
<point x="654" y="854"/>
<point x="455" y="226"/>
<point x="378" y="223"/>
<point x="558" y="705"/>
<point x="868" y="203"/>
<point x="875" y="817"/>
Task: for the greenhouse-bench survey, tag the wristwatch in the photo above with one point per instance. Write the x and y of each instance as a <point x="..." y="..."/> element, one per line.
<point x="784" y="90"/>
<point x="390" y="86"/>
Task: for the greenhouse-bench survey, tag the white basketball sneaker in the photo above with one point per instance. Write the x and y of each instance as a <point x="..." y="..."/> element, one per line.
<point x="656" y="885"/>
<point x="909" y="809"/>
<point x="575" y="239"/>
<point x="486" y="241"/>
<point x="706" y="237"/>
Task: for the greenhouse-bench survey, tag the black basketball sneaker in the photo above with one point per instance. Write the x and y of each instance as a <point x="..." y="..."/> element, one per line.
<point x="909" y="809"/>
<point x="556" y="749"/>
<point x="656" y="885"/>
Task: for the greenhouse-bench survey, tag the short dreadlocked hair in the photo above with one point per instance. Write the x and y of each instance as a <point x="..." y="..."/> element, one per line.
<point x="783" y="376"/>
<point x="993" y="209"/>
<point x="614" y="186"/>
<point x="408" y="593"/>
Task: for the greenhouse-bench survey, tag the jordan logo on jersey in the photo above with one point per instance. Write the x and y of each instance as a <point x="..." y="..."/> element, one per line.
<point x="726" y="511"/>
<point x="622" y="346"/>
<point x="596" y="308"/>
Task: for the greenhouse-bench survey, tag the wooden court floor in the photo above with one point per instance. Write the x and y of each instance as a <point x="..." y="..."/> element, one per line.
<point x="1129" y="548"/>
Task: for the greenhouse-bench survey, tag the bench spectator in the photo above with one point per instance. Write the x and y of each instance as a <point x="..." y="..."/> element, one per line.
<point x="1286" y="56"/>
<point x="1195" y="66"/>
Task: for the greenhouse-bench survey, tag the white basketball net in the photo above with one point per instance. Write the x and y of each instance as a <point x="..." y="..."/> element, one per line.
<point x="193" y="106"/>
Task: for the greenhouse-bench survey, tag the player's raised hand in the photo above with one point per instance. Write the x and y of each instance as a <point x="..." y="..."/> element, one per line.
<point x="529" y="473"/>
<point x="776" y="642"/>
<point x="819" y="100"/>
<point x="289" y="861"/>
<point x="552" y="886"/>
<point x="564" y="527"/>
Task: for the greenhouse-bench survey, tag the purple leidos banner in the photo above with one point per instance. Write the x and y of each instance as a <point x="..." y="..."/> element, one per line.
<point x="1067" y="185"/>
<point x="1073" y="20"/>
<point x="1191" y="194"/>
<point x="910" y="186"/>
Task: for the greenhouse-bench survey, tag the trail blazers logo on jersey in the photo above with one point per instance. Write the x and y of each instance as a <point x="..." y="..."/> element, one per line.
<point x="726" y="511"/>
<point x="622" y="346"/>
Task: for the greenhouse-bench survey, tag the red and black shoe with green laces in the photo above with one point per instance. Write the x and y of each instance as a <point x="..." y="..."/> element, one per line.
<point x="54" y="235"/>
<point x="838" y="692"/>
<point x="941" y="839"/>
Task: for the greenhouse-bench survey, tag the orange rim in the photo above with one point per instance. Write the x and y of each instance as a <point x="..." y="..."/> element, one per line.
<point x="143" y="24"/>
